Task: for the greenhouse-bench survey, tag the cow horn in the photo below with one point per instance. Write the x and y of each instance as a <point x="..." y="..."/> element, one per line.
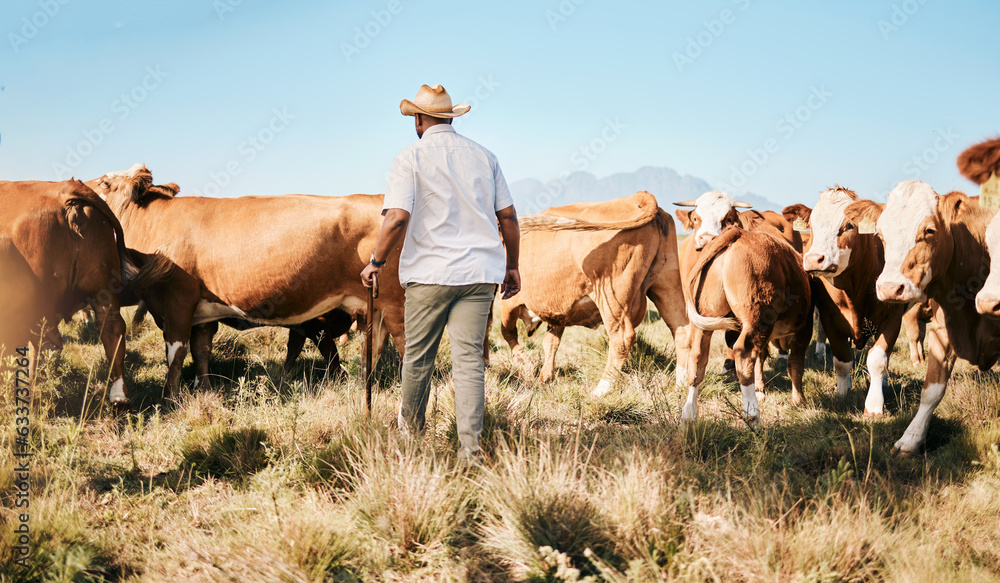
<point x="742" y="205"/>
<point x="689" y="202"/>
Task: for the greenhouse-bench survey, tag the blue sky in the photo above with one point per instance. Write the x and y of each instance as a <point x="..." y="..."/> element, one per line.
<point x="229" y="97"/>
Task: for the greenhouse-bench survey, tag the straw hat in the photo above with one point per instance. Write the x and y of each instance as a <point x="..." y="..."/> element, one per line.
<point x="433" y="101"/>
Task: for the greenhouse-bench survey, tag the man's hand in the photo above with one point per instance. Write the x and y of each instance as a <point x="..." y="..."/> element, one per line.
<point x="368" y="272"/>
<point x="511" y="284"/>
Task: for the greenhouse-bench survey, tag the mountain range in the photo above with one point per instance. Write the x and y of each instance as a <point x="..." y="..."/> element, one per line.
<point x="666" y="184"/>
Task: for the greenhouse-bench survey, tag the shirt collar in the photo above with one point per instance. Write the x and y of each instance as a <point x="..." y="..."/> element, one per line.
<point x="438" y="128"/>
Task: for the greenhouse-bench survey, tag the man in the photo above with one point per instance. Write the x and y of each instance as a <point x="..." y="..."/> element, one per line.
<point x="446" y="195"/>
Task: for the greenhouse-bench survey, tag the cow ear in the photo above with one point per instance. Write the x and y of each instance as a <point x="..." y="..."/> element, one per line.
<point x="952" y="205"/>
<point x="856" y="212"/>
<point x="796" y="211"/>
<point x="684" y="216"/>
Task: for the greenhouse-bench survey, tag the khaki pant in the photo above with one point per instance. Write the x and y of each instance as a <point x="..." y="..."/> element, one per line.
<point x="465" y="310"/>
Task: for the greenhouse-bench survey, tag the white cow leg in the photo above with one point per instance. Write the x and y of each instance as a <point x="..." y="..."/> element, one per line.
<point x="877" y="364"/>
<point x="116" y="394"/>
<point x="916" y="433"/>
<point x="843" y="370"/>
<point x="751" y="407"/>
<point x="603" y="388"/>
<point x="690" y="410"/>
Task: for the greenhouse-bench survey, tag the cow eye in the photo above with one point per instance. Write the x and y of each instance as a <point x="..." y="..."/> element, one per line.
<point x="104" y="184"/>
<point x="929" y="231"/>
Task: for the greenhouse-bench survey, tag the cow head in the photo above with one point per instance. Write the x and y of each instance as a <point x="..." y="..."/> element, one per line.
<point x="915" y="230"/>
<point x="988" y="298"/>
<point x="713" y="212"/>
<point x="834" y="232"/>
<point x="134" y="185"/>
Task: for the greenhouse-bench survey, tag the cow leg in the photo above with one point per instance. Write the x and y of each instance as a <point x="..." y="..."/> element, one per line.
<point x="327" y="345"/>
<point x="728" y="365"/>
<point x="621" y="337"/>
<point x="878" y="362"/>
<point x="112" y="326"/>
<point x="758" y="379"/>
<point x="296" y="342"/>
<point x="550" y="344"/>
<point x="745" y="359"/>
<point x="701" y="344"/>
<point x="669" y="302"/>
<point x="797" y="362"/>
<point x="941" y="360"/>
<point x="820" y="335"/>
<point x="176" y="334"/>
<point x="201" y="351"/>
<point x="509" y="315"/>
<point x="843" y="357"/>
<point x="915" y="330"/>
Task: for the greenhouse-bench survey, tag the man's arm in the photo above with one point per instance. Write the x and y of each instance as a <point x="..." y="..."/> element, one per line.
<point x="389" y="237"/>
<point x="510" y="232"/>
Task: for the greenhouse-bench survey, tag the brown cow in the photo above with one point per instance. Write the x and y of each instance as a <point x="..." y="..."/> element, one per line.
<point x="63" y="244"/>
<point x="716" y="210"/>
<point x="935" y="247"/>
<point x="753" y="282"/>
<point x="585" y="264"/>
<point x="269" y="259"/>
<point x="848" y="262"/>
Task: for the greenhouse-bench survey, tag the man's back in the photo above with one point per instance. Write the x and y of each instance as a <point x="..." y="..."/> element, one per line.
<point x="452" y="188"/>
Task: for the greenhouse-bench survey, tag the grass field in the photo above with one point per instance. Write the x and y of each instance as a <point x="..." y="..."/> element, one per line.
<point x="271" y="478"/>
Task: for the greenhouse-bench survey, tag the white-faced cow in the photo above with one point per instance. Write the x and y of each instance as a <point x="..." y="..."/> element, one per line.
<point x="935" y="247"/>
<point x="61" y="248"/>
<point x="848" y="263"/>
<point x="713" y="212"/>
<point x="279" y="260"/>
<point x="753" y="282"/>
<point x="585" y="264"/>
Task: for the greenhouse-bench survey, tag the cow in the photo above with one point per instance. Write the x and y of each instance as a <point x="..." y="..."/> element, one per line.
<point x="848" y="261"/>
<point x="585" y="264"/>
<point x="714" y="211"/>
<point x="753" y="282"/>
<point x="935" y="248"/>
<point x="277" y="260"/>
<point x="61" y="248"/>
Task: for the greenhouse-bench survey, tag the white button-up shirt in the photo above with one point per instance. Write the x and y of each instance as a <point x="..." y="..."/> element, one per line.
<point x="452" y="187"/>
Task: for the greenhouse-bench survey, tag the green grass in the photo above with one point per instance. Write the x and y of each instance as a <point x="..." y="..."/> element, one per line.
<point x="275" y="477"/>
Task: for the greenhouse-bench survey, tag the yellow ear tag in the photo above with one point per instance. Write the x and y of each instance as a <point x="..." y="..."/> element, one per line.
<point x="800" y="225"/>
<point x="989" y="193"/>
<point x="866" y="227"/>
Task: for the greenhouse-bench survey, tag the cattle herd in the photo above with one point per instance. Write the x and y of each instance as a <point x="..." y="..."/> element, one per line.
<point x="865" y="268"/>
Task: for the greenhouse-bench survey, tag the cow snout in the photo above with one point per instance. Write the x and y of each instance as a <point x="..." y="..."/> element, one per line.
<point x="897" y="291"/>
<point x="988" y="304"/>
<point x="818" y="262"/>
<point x="702" y="239"/>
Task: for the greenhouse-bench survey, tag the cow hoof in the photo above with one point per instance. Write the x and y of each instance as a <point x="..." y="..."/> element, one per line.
<point x="872" y="414"/>
<point x="761" y="396"/>
<point x="900" y="452"/>
<point x="602" y="388"/>
<point x="753" y="422"/>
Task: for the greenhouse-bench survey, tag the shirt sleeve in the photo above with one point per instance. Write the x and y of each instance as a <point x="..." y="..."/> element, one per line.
<point x="503" y="198"/>
<point x="400" y="193"/>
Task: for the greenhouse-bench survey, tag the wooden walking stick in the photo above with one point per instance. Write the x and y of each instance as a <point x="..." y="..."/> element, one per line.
<point x="369" y="330"/>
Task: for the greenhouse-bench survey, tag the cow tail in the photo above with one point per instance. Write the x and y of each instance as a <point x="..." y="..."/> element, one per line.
<point x="153" y="268"/>
<point x="696" y="276"/>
